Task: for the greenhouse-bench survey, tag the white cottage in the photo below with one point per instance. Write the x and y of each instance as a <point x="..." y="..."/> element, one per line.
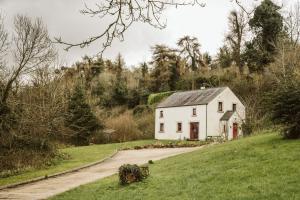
<point x="200" y="114"/>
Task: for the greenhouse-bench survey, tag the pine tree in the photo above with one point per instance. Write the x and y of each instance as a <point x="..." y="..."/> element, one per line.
<point x="80" y="118"/>
<point x="284" y="104"/>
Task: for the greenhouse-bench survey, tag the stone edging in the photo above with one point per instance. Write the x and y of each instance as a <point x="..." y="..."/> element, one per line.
<point x="58" y="174"/>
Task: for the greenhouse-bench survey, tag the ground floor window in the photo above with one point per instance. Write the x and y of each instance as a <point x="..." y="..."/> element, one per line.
<point x="161" y="127"/>
<point x="179" y="127"/>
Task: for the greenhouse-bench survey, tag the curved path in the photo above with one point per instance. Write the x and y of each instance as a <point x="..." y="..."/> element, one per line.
<point x="49" y="187"/>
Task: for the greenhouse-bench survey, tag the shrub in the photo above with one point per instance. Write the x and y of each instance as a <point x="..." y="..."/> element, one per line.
<point x="156" y="98"/>
<point x="132" y="173"/>
<point x="247" y="128"/>
<point x="141" y="109"/>
<point x="146" y="124"/>
<point x="125" y="127"/>
<point x="150" y="162"/>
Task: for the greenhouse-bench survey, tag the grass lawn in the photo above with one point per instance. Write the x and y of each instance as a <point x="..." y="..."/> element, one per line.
<point x="79" y="156"/>
<point x="257" y="167"/>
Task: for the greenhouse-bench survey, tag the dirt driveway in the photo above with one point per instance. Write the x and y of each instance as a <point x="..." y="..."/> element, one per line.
<point x="53" y="186"/>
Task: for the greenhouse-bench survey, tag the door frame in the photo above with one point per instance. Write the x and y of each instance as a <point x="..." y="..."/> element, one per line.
<point x="235" y="134"/>
<point x="192" y="134"/>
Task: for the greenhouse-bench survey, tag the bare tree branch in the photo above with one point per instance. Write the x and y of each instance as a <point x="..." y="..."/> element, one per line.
<point x="125" y="13"/>
<point x="3" y="42"/>
<point x="243" y="8"/>
<point x="237" y="27"/>
<point x="33" y="48"/>
<point x="292" y="22"/>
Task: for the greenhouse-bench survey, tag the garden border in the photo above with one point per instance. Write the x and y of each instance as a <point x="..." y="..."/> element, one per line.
<point x="14" y="185"/>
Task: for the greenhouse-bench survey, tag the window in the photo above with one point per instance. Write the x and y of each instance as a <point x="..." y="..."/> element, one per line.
<point x="161" y="115"/>
<point x="161" y="127"/>
<point x="179" y="127"/>
<point x="220" y="107"/>
<point x="234" y="107"/>
<point x="194" y="111"/>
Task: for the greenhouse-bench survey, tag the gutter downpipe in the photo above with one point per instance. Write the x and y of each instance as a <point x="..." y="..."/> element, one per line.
<point x="206" y="123"/>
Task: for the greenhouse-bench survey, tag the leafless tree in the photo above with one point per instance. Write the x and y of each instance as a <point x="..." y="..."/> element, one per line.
<point x="292" y="22"/>
<point x="32" y="48"/>
<point x="237" y="28"/>
<point x="124" y="13"/>
<point x="3" y="42"/>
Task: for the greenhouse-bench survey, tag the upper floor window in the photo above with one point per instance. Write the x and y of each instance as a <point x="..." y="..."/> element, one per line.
<point x="220" y="107"/>
<point x="234" y="107"/>
<point x="179" y="127"/>
<point x="161" y="127"/>
<point x="161" y="114"/>
<point x="194" y="111"/>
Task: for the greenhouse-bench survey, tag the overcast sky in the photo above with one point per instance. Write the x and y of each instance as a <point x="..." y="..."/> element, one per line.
<point x="63" y="19"/>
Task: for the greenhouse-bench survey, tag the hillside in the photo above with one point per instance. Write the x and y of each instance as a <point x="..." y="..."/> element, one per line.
<point x="257" y="167"/>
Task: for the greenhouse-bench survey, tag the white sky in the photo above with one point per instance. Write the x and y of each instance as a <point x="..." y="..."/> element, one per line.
<point x="63" y="19"/>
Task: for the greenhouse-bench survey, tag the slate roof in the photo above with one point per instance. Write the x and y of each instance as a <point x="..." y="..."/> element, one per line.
<point x="227" y="115"/>
<point x="190" y="98"/>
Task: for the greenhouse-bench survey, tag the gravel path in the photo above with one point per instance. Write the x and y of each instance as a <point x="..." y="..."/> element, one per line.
<point x="53" y="186"/>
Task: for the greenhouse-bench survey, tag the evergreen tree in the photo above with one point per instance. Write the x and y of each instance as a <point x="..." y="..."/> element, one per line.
<point x="284" y="105"/>
<point x="267" y="25"/>
<point x="80" y="118"/>
<point x="165" y="70"/>
<point x="120" y="91"/>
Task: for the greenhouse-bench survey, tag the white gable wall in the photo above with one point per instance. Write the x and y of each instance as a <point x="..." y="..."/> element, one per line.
<point x="213" y="118"/>
<point x="184" y="115"/>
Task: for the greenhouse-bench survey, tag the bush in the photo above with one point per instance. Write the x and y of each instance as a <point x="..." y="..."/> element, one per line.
<point x="247" y="128"/>
<point x="126" y="129"/>
<point x="158" y="97"/>
<point x="141" y="109"/>
<point x="150" y="162"/>
<point x="132" y="173"/>
<point x="146" y="124"/>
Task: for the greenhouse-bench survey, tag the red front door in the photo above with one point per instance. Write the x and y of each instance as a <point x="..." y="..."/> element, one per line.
<point x="194" y="131"/>
<point x="235" y="130"/>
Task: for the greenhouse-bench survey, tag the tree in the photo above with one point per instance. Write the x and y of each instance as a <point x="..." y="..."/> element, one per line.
<point x="31" y="48"/>
<point x="292" y="23"/>
<point x="267" y="25"/>
<point x="119" y="66"/>
<point x="190" y="50"/>
<point x="80" y="118"/>
<point x="143" y="80"/>
<point x="224" y="57"/>
<point x="284" y="104"/>
<point x="237" y="25"/>
<point x="207" y="59"/>
<point x="123" y="14"/>
<point x="165" y="70"/>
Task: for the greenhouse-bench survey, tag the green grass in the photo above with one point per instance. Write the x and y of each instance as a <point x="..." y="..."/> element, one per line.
<point x="79" y="156"/>
<point x="258" y="167"/>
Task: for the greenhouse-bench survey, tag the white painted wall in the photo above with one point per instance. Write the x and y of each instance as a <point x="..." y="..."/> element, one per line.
<point x="228" y="134"/>
<point x="213" y="118"/>
<point x="184" y="115"/>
